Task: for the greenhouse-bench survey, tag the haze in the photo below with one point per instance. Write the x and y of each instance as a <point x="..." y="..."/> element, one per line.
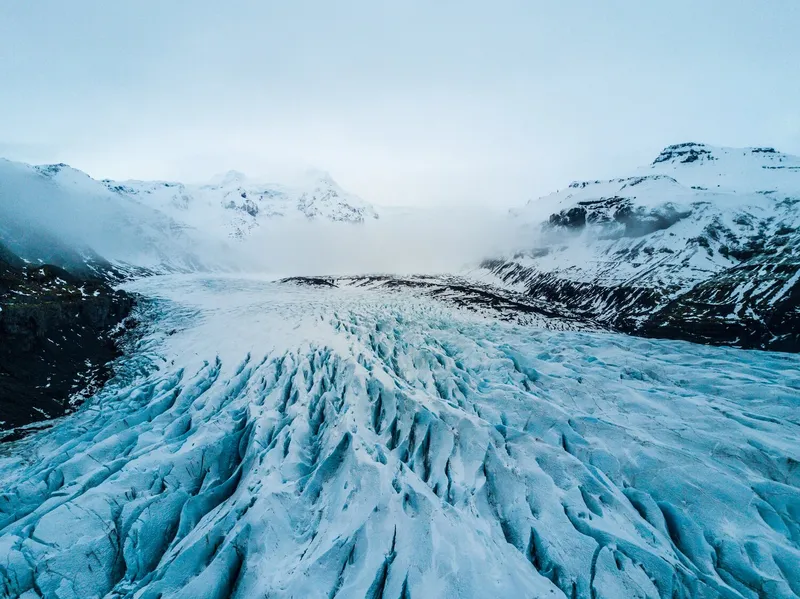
<point x="408" y="103"/>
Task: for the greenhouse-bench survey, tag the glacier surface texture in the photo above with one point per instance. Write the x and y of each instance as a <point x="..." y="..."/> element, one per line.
<point x="265" y="439"/>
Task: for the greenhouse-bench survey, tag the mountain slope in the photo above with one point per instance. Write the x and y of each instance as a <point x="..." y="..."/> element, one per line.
<point x="703" y="244"/>
<point x="59" y="215"/>
<point x="56" y="338"/>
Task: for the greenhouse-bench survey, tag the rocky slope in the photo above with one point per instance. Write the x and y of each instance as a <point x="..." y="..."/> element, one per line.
<point x="57" y="331"/>
<point x="703" y="245"/>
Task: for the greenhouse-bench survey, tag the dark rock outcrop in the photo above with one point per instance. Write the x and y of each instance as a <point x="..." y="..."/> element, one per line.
<point x="57" y="337"/>
<point x="687" y="152"/>
<point x="754" y="305"/>
<point x="619" y="216"/>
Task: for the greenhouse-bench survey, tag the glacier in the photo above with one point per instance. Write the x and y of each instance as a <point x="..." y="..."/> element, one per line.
<point x="271" y="439"/>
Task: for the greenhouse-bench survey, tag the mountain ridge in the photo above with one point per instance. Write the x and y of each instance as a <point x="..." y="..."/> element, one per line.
<point x="156" y="225"/>
<point x="243" y="204"/>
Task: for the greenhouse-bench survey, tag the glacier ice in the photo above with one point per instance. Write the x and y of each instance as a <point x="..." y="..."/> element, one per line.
<point x="271" y="440"/>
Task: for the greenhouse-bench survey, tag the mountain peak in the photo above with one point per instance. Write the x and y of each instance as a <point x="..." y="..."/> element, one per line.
<point x="685" y="153"/>
<point x="230" y="177"/>
<point x="316" y="176"/>
<point x="700" y="153"/>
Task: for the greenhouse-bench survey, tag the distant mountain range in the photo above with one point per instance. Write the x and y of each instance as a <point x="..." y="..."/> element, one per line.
<point x="702" y="244"/>
<point x="59" y="215"/>
<point x="234" y="205"/>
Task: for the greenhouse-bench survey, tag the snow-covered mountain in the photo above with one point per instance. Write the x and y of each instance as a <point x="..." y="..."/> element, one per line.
<point x="704" y="244"/>
<point x="234" y="205"/>
<point x="60" y="215"/>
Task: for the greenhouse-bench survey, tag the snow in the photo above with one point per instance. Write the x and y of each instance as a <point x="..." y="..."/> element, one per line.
<point x="162" y="226"/>
<point x="268" y="439"/>
<point x="233" y="205"/>
<point x="667" y="227"/>
<point x="47" y="212"/>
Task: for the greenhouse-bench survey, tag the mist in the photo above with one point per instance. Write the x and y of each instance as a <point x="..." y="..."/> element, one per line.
<point x="428" y="242"/>
<point x="63" y="217"/>
<point x="43" y="221"/>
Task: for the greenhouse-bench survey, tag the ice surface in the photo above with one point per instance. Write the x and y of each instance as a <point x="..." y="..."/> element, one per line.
<point x="272" y="440"/>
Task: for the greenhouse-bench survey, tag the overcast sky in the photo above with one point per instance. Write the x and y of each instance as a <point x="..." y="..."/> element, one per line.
<point x="403" y="102"/>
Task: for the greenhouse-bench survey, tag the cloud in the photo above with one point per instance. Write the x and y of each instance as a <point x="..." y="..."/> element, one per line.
<point x="419" y="241"/>
<point x="44" y="211"/>
<point x="404" y="103"/>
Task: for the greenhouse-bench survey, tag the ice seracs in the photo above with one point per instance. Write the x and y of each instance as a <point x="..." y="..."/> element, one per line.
<point x="283" y="440"/>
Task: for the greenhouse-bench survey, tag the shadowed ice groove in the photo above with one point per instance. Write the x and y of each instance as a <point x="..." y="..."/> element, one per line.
<point x="290" y="442"/>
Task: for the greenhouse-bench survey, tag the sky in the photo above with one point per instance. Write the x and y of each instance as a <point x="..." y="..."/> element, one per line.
<point x="404" y="103"/>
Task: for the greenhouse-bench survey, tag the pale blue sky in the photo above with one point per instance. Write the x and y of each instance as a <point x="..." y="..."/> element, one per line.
<point x="403" y="102"/>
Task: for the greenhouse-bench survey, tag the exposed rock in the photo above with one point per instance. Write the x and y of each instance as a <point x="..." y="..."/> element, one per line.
<point x="686" y="152"/>
<point x="57" y="332"/>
